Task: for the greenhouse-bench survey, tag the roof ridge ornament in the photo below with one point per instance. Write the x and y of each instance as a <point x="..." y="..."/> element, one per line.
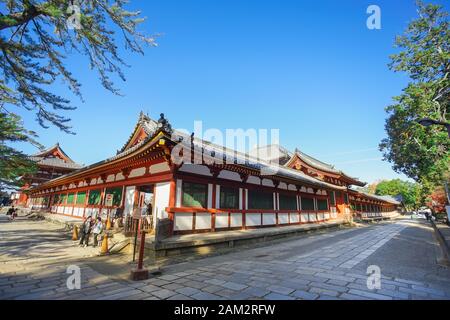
<point x="143" y="117"/>
<point x="164" y="124"/>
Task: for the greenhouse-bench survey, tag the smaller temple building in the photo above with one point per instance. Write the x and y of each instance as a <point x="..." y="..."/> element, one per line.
<point x="52" y="163"/>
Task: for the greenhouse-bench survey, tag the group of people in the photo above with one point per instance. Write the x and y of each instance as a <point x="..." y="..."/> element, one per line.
<point x="90" y="226"/>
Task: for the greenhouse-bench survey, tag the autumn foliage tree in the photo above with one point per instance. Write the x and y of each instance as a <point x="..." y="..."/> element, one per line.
<point x="437" y="200"/>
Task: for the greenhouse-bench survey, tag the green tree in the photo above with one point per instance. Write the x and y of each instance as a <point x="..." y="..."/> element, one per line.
<point x="421" y="153"/>
<point x="14" y="164"/>
<point x="36" y="37"/>
<point x="409" y="191"/>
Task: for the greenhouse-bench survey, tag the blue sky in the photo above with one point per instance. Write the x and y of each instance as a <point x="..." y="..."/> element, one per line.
<point x="309" y="68"/>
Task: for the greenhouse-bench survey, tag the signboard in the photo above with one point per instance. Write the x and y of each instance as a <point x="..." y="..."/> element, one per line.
<point x="137" y="213"/>
<point x="109" y="200"/>
<point x="448" y="212"/>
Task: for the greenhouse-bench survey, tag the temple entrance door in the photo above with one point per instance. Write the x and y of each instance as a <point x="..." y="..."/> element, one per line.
<point x="145" y="197"/>
<point x="145" y="203"/>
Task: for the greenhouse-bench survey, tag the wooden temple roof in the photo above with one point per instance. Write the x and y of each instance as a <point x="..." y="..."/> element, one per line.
<point x="54" y="157"/>
<point x="243" y="163"/>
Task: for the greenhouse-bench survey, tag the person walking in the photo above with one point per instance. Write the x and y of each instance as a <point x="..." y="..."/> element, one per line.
<point x="97" y="230"/>
<point x="11" y="212"/>
<point x="86" y="231"/>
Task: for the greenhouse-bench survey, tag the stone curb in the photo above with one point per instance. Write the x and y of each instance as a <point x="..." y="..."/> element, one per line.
<point x="444" y="243"/>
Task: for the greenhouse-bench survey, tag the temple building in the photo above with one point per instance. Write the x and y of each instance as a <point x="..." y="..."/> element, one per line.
<point x="51" y="163"/>
<point x="196" y="186"/>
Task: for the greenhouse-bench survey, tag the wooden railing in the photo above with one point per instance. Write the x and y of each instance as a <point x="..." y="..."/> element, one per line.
<point x="131" y="224"/>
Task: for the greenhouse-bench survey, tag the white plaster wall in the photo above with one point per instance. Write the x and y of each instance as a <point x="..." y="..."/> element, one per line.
<point x="254" y="180"/>
<point x="294" y="217"/>
<point x="196" y="168"/>
<point x="210" y="192"/>
<point x="269" y="219"/>
<point x="253" y="219"/>
<point x="283" y="218"/>
<point x="312" y="217"/>
<point x="217" y="196"/>
<point x="183" y="221"/>
<point x="240" y="198"/>
<point x="267" y="182"/>
<point x="229" y="175"/>
<point x="138" y="172"/>
<point x="202" y="221"/>
<point x="76" y="212"/>
<point x="162" y="195"/>
<point x="304" y="217"/>
<point x="236" y="220"/>
<point x="246" y="199"/>
<point x="320" y="216"/>
<point x="110" y="178"/>
<point x="120" y="176"/>
<point x="159" y="167"/>
<point x="326" y="216"/>
<point x="95" y="212"/>
<point x="129" y="200"/>
<point x="222" y="220"/>
<point x="178" y="192"/>
<point x="283" y="185"/>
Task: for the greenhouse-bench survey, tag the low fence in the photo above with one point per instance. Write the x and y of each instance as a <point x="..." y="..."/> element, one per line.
<point x="131" y="224"/>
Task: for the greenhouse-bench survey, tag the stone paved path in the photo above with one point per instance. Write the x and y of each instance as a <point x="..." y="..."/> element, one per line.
<point x="330" y="265"/>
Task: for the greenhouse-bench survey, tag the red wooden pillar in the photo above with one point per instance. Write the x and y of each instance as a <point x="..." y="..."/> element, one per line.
<point x="172" y="201"/>
<point x="244" y="205"/>
<point x="213" y="205"/>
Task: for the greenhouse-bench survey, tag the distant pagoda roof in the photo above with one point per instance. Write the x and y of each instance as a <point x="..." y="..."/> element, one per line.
<point x="54" y="156"/>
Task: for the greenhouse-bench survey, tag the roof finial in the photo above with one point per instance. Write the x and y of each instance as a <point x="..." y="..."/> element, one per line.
<point x="164" y="124"/>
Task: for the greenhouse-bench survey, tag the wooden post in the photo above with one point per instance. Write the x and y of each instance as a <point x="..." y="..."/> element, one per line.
<point x="140" y="273"/>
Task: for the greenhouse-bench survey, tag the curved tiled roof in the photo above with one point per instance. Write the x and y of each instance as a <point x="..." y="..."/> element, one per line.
<point x="46" y="158"/>
<point x="316" y="163"/>
<point x="234" y="157"/>
<point x="377" y="197"/>
<point x="55" y="162"/>
<point x="149" y="125"/>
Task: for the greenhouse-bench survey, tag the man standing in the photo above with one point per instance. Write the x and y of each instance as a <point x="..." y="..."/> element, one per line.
<point x="86" y="231"/>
